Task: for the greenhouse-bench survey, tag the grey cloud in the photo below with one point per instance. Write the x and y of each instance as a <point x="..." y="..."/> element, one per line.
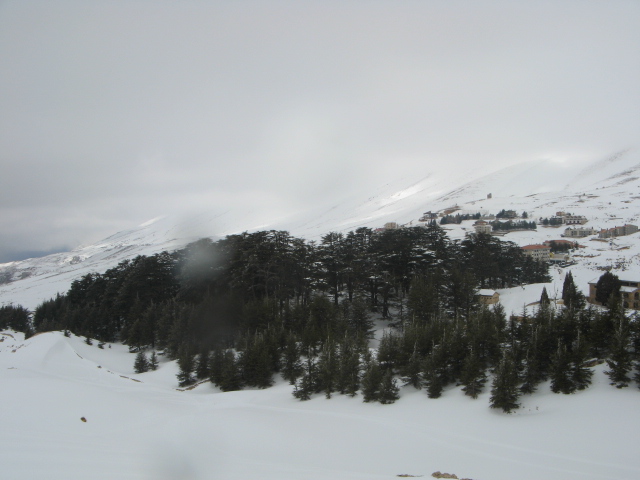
<point x="115" y="112"/>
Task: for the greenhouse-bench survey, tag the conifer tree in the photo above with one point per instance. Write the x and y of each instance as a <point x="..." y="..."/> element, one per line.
<point x="371" y="381"/>
<point x="308" y="382"/>
<point x="187" y="365"/>
<point x="141" y="364"/>
<point x="349" y="369"/>
<point x="544" y="298"/>
<point x="153" y="361"/>
<point x="561" y="371"/>
<point x="473" y="376"/>
<point x="328" y="368"/>
<point x="203" y="364"/>
<point x="620" y="361"/>
<point x="216" y="365"/>
<point x="608" y="285"/>
<point x="230" y="376"/>
<point x="360" y="322"/>
<point x="434" y="372"/>
<point x="580" y="373"/>
<point x="411" y="373"/>
<point x="291" y="363"/>
<point x="504" y="390"/>
<point x="533" y="372"/>
<point x="389" y="391"/>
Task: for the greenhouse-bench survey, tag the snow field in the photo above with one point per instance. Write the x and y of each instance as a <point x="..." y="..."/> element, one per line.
<point x="150" y="430"/>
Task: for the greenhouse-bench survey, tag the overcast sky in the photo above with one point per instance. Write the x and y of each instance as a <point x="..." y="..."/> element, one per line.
<point x="115" y="112"/>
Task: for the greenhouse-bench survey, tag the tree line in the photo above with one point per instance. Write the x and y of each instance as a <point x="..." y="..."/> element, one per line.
<point x="238" y="310"/>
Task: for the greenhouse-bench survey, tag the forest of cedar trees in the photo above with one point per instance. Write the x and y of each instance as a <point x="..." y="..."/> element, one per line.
<point x="242" y="309"/>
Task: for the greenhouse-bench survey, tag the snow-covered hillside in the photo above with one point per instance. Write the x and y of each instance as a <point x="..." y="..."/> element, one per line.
<point x="141" y="427"/>
<point x="606" y="192"/>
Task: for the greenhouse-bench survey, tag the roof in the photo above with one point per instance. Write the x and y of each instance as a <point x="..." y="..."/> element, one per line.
<point x="535" y="247"/>
<point x="628" y="289"/>
<point x="485" y="292"/>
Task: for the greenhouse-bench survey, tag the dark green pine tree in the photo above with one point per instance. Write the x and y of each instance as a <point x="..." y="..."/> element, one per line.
<point x="216" y="366"/>
<point x="187" y="365"/>
<point x="544" y="298"/>
<point x="433" y="368"/>
<point x="473" y="376"/>
<point x="411" y="372"/>
<point x="304" y="387"/>
<point x="349" y="369"/>
<point x="328" y="368"/>
<point x="371" y="381"/>
<point x="561" y="371"/>
<point x="608" y="285"/>
<point x="620" y="359"/>
<point x="203" y="364"/>
<point x="360" y="322"/>
<point x="504" y="389"/>
<point x="389" y="391"/>
<point x="141" y="364"/>
<point x="580" y="373"/>
<point x="230" y="376"/>
<point x="291" y="362"/>
<point x="255" y="363"/>
<point x="572" y="297"/>
<point x="308" y="382"/>
<point x="153" y="361"/>
<point x="532" y="374"/>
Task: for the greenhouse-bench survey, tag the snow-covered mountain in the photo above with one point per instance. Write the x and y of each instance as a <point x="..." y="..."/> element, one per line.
<point x="606" y="192"/>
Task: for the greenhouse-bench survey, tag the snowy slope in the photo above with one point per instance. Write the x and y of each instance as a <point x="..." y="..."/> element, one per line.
<point x="141" y="427"/>
<point x="607" y="192"/>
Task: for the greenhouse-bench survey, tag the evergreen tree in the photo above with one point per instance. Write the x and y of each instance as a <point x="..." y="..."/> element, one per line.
<point x="504" y="390"/>
<point x="608" y="285"/>
<point x="360" y="322"/>
<point x="349" y="370"/>
<point x="291" y="363"/>
<point x="255" y="363"/>
<point x="389" y="391"/>
<point x="231" y="375"/>
<point x="571" y="296"/>
<point x="328" y="368"/>
<point x="304" y="387"/>
<point x="620" y="360"/>
<point x="203" y="364"/>
<point x="411" y="372"/>
<point x="187" y="365"/>
<point x="371" y="381"/>
<point x="141" y="364"/>
<point x="434" y="372"/>
<point x="533" y="372"/>
<point x="561" y="371"/>
<point x="308" y="382"/>
<point x="153" y="361"/>
<point x="580" y="373"/>
<point x="473" y="376"/>
<point x="544" y="298"/>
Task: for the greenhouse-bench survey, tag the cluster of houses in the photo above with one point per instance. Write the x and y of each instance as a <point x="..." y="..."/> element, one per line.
<point x="629" y="292"/>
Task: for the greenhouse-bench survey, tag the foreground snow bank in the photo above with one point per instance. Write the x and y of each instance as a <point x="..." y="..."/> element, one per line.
<point x="146" y="429"/>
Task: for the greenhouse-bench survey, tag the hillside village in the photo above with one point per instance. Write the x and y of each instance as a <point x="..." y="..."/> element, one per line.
<point x="560" y="252"/>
